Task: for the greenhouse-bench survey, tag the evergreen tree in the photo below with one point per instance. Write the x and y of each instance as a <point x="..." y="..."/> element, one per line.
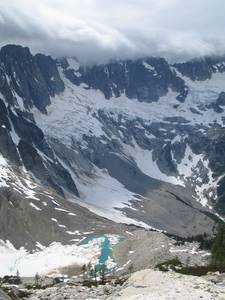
<point x="95" y="273"/>
<point x="89" y="268"/>
<point x="84" y="269"/>
<point x="102" y="272"/>
<point x="17" y="274"/>
<point x="37" y="279"/>
<point x="218" y="248"/>
<point x="92" y="273"/>
<point x="18" y="279"/>
<point x="131" y="268"/>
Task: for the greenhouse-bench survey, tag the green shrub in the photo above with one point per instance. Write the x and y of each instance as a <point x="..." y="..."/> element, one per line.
<point x="172" y="264"/>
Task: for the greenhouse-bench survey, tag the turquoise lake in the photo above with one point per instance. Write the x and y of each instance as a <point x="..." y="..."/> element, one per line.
<point x="106" y="249"/>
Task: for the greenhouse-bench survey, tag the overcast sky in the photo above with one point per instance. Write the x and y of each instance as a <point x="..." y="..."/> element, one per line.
<point x="99" y="30"/>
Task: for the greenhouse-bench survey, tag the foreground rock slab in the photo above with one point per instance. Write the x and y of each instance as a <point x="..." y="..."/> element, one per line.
<point x="152" y="285"/>
<point x="4" y="296"/>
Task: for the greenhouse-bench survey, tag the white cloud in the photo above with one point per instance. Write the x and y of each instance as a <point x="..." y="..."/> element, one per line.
<point x="98" y="30"/>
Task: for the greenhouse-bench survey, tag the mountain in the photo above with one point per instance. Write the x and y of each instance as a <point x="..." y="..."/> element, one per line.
<point x="86" y="148"/>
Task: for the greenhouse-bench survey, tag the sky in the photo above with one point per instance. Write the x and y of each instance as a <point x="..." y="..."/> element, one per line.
<point x="96" y="31"/>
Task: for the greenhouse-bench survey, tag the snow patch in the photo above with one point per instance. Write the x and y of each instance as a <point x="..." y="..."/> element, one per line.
<point x="48" y="260"/>
<point x="34" y="206"/>
<point x="147" y="165"/>
<point x="73" y="63"/>
<point x="4" y="172"/>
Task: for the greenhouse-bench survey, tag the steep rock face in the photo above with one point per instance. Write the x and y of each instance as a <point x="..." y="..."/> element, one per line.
<point x="145" y="80"/>
<point x="29" y="81"/>
<point x="49" y="172"/>
<point x="7" y="147"/>
<point x="201" y="69"/>
<point x="50" y="74"/>
<point x="221" y="99"/>
<point x="33" y="79"/>
<point x="25" y="76"/>
<point x="4" y="115"/>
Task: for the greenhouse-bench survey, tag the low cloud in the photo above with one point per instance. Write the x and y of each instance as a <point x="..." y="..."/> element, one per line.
<point x="96" y="31"/>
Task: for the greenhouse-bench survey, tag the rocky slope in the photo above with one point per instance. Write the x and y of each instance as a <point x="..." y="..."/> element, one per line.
<point x="137" y="142"/>
<point x="145" y="285"/>
<point x="146" y="249"/>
